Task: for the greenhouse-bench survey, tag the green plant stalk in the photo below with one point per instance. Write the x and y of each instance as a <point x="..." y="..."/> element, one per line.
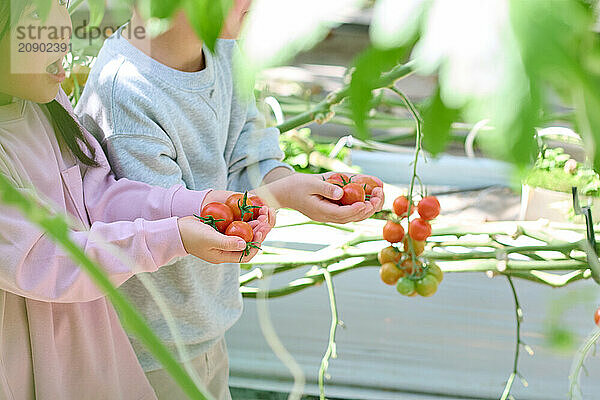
<point x="310" y="279"/>
<point x="508" y="386"/>
<point x="330" y="352"/>
<point x="346" y="251"/>
<point x="529" y="270"/>
<point x="579" y="360"/>
<point x="57" y="229"/>
<point x="438" y="255"/>
<point x="533" y="229"/>
<point x="518" y="317"/>
<point x="418" y="122"/>
<point x="74" y="5"/>
<point x="534" y="276"/>
<point x="482" y="262"/>
<point x="324" y="107"/>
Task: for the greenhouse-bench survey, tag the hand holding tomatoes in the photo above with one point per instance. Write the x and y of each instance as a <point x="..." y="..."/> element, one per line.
<point x="205" y="242"/>
<point x="357" y="189"/>
<point x="318" y="197"/>
<point x="228" y="238"/>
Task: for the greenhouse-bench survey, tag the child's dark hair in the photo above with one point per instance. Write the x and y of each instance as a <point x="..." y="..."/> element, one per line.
<point x="65" y="125"/>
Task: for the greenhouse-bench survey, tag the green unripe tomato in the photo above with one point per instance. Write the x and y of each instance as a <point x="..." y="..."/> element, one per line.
<point x="427" y="285"/>
<point x="405" y="286"/>
<point x="436" y="271"/>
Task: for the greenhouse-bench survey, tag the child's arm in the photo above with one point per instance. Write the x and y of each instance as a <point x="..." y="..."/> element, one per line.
<point x="108" y="200"/>
<point x="256" y="161"/>
<point x="256" y="152"/>
<point x="33" y="266"/>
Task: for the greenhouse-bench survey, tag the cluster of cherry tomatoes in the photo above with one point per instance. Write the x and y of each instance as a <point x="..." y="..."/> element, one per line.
<point x="356" y="188"/>
<point x="402" y="266"/>
<point x="231" y="218"/>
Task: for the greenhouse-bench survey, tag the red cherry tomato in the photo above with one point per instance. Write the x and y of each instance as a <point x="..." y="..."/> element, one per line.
<point x="232" y="203"/>
<point x="353" y="193"/>
<point x="240" y="229"/>
<point x="218" y="211"/>
<point x="429" y="207"/>
<point x="401" y="206"/>
<point x="256" y="201"/>
<point x="597" y="317"/>
<point x="341" y="178"/>
<point x="335" y="182"/>
<point x="237" y="205"/>
<point x="419" y="229"/>
<point x="367" y="182"/>
<point x="393" y="232"/>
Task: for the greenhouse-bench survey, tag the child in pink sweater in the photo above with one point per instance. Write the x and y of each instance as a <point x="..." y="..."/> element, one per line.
<point x="59" y="337"/>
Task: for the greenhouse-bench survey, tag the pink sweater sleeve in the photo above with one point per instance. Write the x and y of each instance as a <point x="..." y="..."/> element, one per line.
<point x="33" y="266"/>
<point x="136" y="219"/>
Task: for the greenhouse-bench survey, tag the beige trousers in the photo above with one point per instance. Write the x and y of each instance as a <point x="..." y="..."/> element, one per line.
<point x="211" y="367"/>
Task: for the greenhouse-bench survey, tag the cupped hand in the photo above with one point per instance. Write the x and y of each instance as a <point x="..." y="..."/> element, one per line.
<point x="314" y="197"/>
<point x="206" y="243"/>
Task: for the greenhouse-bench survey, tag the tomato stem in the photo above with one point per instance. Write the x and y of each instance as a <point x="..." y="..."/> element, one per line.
<point x="249" y="245"/>
<point x="245" y="208"/>
<point x="210" y="220"/>
<point x="418" y="142"/>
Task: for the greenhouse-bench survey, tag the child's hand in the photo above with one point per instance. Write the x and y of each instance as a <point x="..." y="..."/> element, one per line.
<point x="205" y="242"/>
<point x="312" y="196"/>
<point x="263" y="224"/>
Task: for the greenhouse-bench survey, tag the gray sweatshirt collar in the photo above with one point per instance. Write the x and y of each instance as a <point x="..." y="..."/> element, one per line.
<point x="183" y="80"/>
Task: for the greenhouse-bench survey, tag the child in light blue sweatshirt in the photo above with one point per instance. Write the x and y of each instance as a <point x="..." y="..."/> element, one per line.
<point x="166" y="112"/>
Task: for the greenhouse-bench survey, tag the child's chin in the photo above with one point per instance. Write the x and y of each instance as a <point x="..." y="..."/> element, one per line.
<point x="47" y="95"/>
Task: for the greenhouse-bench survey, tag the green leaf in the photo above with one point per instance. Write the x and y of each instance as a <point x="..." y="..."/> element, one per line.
<point x="369" y="65"/>
<point x="97" y="8"/>
<point x="558" y="46"/>
<point x="43" y="8"/>
<point x="207" y="17"/>
<point x="437" y="121"/>
<point x="587" y="104"/>
<point x="163" y="8"/>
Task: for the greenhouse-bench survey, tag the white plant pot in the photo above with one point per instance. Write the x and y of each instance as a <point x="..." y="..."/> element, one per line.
<point x="552" y="205"/>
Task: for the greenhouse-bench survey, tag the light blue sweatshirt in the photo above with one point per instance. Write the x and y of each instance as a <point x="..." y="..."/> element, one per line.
<point x="164" y="127"/>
